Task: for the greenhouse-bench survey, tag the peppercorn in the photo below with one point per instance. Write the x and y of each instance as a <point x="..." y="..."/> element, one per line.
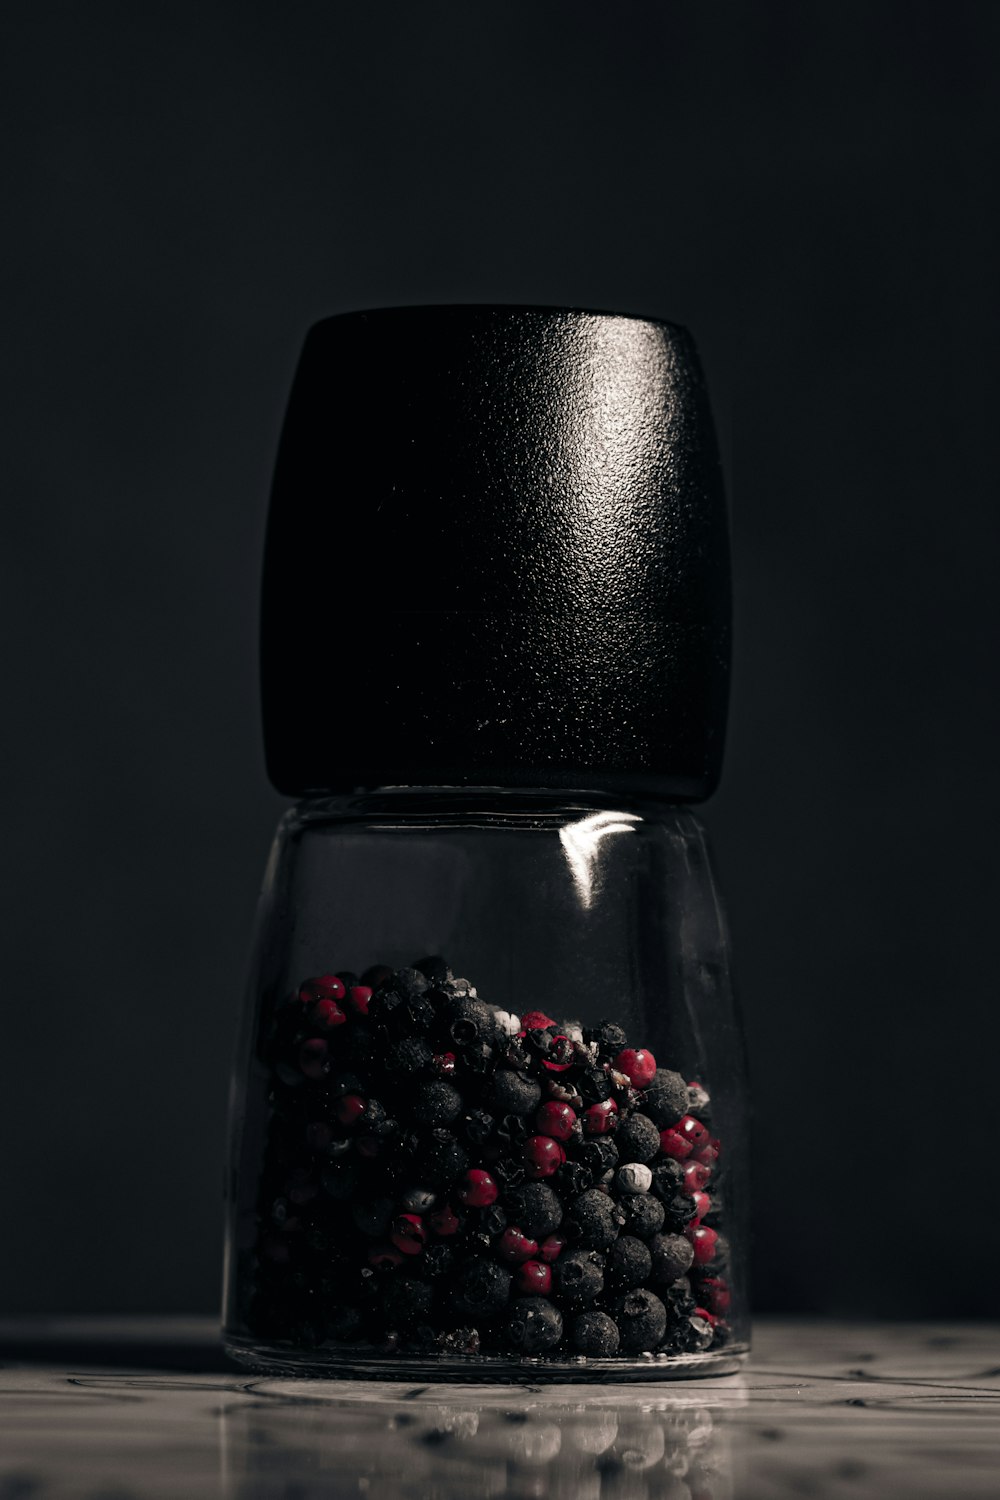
<point x="634" y="1177"/>
<point x="513" y="1093"/>
<point x="668" y="1180"/>
<point x="468" y="1021"/>
<point x="477" y="1127"/>
<point x="643" y="1215"/>
<point x="436" y="1103"/>
<point x="536" y="1208"/>
<point x="409" y="1055"/>
<point x="482" y="1287"/>
<point x="572" y="1178"/>
<point x="533" y="1324"/>
<point x="641" y="1319"/>
<point x="608" y="1035"/>
<point x="665" y="1100"/>
<point x="593" y="1220"/>
<point x="637" y="1139"/>
<point x="672" y="1257"/>
<point x="628" y="1263"/>
<point x="533" y="1277"/>
<point x="579" y="1276"/>
<point x="440" y="1160"/>
<point x="596" y="1334"/>
<point x="594" y="1086"/>
<point x="598" y="1153"/>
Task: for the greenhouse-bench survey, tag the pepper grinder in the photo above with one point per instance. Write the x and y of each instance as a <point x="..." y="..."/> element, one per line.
<point x="488" y="1113"/>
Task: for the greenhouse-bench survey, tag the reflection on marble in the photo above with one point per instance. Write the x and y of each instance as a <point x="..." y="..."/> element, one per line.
<point x="824" y="1410"/>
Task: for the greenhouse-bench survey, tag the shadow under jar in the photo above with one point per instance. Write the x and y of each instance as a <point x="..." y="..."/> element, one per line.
<point x="492" y="1105"/>
<point x="488" y="1113"/>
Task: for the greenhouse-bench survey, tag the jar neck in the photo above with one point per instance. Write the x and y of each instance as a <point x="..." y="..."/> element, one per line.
<point x="501" y="802"/>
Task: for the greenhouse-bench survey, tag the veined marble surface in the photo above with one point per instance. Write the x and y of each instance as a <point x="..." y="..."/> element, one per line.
<point x="139" y="1410"/>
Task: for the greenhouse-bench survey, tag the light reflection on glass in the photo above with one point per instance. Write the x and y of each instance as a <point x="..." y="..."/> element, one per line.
<point x="581" y="845"/>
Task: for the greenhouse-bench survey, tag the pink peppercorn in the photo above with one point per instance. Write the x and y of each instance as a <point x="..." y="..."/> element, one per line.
<point x="638" y="1066"/>
<point x="477" y="1189"/>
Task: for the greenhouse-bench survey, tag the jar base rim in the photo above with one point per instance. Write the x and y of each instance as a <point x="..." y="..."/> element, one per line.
<point x="355" y="1362"/>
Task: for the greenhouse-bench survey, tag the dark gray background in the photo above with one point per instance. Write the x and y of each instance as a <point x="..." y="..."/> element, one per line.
<point x="809" y="189"/>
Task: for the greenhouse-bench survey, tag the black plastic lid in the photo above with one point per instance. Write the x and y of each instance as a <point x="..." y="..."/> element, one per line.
<point x="496" y="555"/>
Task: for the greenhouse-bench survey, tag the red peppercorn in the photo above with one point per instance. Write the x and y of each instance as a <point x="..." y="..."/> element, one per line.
<point x="694" y="1131"/>
<point x="716" y="1295"/>
<point x="556" y="1120"/>
<point x="672" y="1143"/>
<point x="702" y="1312"/>
<point x="327" y="1015"/>
<point x="408" y="1233"/>
<point x="444" y="1064"/>
<point x="702" y="1206"/>
<point x="708" y="1154"/>
<point x="536" y="1020"/>
<point x="696" y="1174"/>
<point x="384" y="1255"/>
<point x="600" y="1118"/>
<point x="514" y="1245"/>
<point x="637" y="1065"/>
<point x="349" y="1108"/>
<point x="477" y="1189"/>
<point x="322" y="987"/>
<point x="445" y="1221"/>
<point x="313" y="1057"/>
<point x="360" y="996"/>
<point x="703" y="1239"/>
<point x="552" y="1247"/>
<point x="560" y="1055"/>
<point x="534" y="1277"/>
<point x="542" y="1155"/>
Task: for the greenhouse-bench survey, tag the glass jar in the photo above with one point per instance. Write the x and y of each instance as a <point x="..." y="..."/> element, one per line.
<point x="489" y="1112"/>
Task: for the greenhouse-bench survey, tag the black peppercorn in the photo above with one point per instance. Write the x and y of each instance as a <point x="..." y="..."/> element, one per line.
<point x="572" y="1178"/>
<point x="535" y="1208"/>
<point x="482" y="1287"/>
<point x="666" y="1098"/>
<point x="628" y="1263"/>
<point x="672" y="1256"/>
<point x="668" y="1179"/>
<point x="594" y="1086"/>
<point x="440" y="1159"/>
<point x="641" y="1319"/>
<point x="579" y="1277"/>
<point x="598" y="1152"/>
<point x="593" y="1220"/>
<point x="513" y="1092"/>
<point x="596" y="1334"/>
<point x="637" y="1139"/>
<point x="468" y="1021"/>
<point x="608" y="1035"/>
<point x="436" y="1103"/>
<point x="643" y="1214"/>
<point x="533" y="1324"/>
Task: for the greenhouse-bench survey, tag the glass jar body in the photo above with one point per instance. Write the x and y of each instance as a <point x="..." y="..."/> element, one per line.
<point x="529" y="1155"/>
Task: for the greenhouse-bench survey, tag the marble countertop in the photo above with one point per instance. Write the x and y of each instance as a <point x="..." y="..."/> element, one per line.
<point x="126" y="1409"/>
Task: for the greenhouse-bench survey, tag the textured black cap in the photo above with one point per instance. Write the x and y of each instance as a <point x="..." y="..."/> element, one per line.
<point x="496" y="555"/>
